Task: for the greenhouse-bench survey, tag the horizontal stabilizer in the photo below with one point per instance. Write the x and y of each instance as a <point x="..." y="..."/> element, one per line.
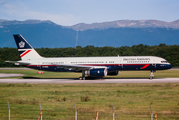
<point x="18" y="62"/>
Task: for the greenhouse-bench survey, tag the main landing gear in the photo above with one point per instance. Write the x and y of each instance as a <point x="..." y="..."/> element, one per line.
<point x="152" y="74"/>
<point x="83" y="76"/>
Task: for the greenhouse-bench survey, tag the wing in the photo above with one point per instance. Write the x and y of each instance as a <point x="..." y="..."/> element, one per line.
<point x="18" y="62"/>
<point x="79" y="67"/>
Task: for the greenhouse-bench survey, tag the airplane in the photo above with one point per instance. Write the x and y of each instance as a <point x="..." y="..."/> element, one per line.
<point x="90" y="66"/>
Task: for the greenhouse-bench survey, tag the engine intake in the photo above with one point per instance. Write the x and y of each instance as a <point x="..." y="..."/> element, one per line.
<point x="99" y="72"/>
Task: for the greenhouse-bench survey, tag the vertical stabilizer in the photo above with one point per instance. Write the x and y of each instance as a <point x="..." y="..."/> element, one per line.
<point x="26" y="51"/>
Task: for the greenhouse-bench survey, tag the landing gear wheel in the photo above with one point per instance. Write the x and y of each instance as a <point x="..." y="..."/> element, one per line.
<point x="152" y="74"/>
<point x="83" y="75"/>
<point x="81" y="78"/>
<point x="151" y="77"/>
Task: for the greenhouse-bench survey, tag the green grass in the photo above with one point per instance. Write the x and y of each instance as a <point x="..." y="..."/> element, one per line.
<point x="34" y="74"/>
<point x="131" y="101"/>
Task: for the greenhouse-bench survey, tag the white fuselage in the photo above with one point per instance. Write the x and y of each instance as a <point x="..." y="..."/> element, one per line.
<point x="126" y="62"/>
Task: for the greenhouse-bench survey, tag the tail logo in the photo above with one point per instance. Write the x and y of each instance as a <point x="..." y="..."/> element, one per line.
<point x="21" y="44"/>
<point x="23" y="54"/>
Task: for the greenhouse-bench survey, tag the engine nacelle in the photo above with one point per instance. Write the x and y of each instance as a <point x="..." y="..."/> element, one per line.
<point x="113" y="73"/>
<point x="98" y="72"/>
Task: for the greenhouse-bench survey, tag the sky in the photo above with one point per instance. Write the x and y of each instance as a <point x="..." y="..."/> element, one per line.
<point x="71" y="12"/>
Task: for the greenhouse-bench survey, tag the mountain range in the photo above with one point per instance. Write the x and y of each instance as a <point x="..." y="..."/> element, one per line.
<point x="127" y="24"/>
<point x="116" y="33"/>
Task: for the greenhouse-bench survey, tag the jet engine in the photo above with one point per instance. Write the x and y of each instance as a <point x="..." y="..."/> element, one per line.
<point x="98" y="72"/>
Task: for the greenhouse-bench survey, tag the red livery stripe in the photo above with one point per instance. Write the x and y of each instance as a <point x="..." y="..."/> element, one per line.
<point x="25" y="53"/>
<point x="145" y="66"/>
<point x="40" y="65"/>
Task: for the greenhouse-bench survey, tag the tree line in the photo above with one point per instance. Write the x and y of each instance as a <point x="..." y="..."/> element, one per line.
<point x="168" y="52"/>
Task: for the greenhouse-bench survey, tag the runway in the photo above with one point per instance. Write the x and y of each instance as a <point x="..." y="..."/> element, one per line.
<point x="75" y="80"/>
<point x="69" y="81"/>
<point x="9" y="75"/>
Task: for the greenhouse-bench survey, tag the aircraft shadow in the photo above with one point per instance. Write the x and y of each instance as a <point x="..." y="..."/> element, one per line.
<point x="89" y="78"/>
<point x="48" y="78"/>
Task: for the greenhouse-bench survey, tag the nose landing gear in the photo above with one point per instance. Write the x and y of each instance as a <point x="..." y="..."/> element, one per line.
<point x="152" y="74"/>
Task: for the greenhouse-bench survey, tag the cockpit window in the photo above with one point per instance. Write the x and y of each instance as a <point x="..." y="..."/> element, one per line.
<point x="164" y="62"/>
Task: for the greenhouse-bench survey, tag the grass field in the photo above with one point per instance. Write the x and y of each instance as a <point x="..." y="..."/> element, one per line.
<point x="131" y="101"/>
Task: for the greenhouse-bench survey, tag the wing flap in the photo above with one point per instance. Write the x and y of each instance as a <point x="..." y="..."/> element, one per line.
<point x="78" y="67"/>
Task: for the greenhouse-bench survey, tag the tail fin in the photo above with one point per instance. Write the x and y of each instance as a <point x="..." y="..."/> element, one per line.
<point x="26" y="51"/>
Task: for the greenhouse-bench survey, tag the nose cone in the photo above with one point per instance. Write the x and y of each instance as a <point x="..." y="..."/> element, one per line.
<point x="169" y="66"/>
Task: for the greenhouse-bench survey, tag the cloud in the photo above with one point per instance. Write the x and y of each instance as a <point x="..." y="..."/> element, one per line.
<point x="2" y="2"/>
<point x="20" y="11"/>
<point x="65" y="19"/>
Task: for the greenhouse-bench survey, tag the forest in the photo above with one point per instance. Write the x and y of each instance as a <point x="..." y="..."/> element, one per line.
<point x="168" y="52"/>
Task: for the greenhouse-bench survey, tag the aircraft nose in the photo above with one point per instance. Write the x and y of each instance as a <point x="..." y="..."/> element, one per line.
<point x="169" y="66"/>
